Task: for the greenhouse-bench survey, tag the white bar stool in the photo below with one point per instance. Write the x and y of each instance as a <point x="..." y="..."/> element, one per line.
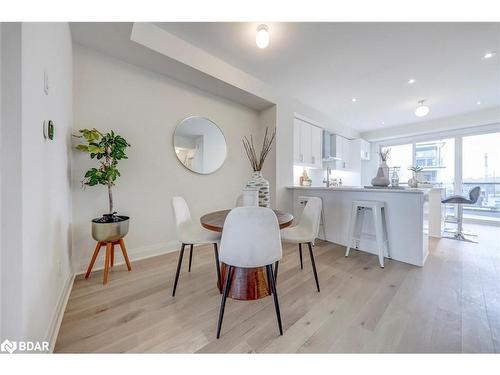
<point x="355" y="226"/>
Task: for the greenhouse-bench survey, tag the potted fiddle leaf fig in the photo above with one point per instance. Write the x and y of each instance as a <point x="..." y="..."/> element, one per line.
<point x="107" y="149"/>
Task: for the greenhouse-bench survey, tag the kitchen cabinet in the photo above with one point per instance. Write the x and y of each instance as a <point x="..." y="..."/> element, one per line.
<point x="364" y="149"/>
<point x="307" y="144"/>
<point x="340" y="152"/>
<point x="316" y="146"/>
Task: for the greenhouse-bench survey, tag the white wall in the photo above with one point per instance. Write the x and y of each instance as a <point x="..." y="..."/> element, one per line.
<point x="145" y="108"/>
<point x="11" y="198"/>
<point x="45" y="172"/>
<point x="36" y="199"/>
<point x="268" y="119"/>
<point x="1" y="300"/>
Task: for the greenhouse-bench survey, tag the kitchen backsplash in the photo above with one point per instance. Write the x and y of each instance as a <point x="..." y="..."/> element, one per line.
<point x="318" y="175"/>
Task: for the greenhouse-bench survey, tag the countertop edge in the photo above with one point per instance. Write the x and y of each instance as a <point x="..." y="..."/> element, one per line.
<point x="356" y="189"/>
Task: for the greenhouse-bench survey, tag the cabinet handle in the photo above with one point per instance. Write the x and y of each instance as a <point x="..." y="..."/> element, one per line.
<point x="301" y="157"/>
<point x="313" y="160"/>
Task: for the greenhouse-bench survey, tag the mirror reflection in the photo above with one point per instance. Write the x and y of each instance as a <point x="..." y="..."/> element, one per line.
<point x="200" y="145"/>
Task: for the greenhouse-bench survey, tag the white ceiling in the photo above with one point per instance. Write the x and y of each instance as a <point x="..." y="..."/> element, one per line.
<point x="326" y="64"/>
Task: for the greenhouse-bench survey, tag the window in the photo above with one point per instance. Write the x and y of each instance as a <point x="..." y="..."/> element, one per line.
<point x="477" y="165"/>
<point x="481" y="167"/>
<point x="437" y="157"/>
<point x="401" y="156"/>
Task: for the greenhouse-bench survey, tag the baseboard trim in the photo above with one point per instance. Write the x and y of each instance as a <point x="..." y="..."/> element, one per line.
<point x="55" y="323"/>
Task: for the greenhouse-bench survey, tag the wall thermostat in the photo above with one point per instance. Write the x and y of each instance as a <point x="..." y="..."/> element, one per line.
<point x="48" y="129"/>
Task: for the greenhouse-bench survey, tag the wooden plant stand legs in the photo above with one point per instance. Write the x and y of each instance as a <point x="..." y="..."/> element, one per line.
<point x="109" y="260"/>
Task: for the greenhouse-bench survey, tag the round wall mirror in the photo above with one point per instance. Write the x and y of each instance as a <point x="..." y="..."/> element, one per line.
<point x="200" y="145"/>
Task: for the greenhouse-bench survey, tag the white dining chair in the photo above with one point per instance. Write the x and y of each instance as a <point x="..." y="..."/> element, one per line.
<point x="305" y="232"/>
<point x="250" y="239"/>
<point x="191" y="233"/>
<point x="249" y="197"/>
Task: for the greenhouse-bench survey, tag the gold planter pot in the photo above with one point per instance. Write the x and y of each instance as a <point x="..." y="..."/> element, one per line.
<point x="110" y="232"/>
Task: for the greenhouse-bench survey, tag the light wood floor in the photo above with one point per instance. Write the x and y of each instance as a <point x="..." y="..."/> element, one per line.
<point x="450" y="305"/>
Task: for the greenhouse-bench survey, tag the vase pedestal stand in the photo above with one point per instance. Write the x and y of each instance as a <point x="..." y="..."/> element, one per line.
<point x="109" y="260"/>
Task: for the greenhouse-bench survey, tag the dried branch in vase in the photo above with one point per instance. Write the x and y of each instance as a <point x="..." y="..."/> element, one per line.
<point x="384" y="154"/>
<point x="258" y="162"/>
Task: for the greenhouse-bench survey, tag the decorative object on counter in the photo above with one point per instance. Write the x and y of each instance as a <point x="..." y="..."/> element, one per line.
<point x="395" y="177"/>
<point x="380" y="179"/>
<point x="108" y="149"/>
<point x="384" y="156"/>
<point x="305" y="180"/>
<point x="257" y="162"/>
<point x="413" y="182"/>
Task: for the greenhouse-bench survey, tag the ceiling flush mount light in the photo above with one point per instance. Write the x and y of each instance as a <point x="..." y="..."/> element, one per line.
<point x="262" y="37"/>
<point x="354" y="100"/>
<point x="479" y="102"/>
<point x="422" y="110"/>
<point x="489" y="55"/>
<point x="411" y="81"/>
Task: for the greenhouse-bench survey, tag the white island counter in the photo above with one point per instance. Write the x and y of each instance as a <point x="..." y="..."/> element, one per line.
<point x="408" y="238"/>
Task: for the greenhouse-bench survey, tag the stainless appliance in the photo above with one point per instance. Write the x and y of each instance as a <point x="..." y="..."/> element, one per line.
<point x="329" y="147"/>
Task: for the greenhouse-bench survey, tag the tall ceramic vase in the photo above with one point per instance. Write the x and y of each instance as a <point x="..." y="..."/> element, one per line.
<point x="258" y="182"/>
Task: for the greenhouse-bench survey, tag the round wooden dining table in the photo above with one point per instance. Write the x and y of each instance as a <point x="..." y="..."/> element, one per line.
<point x="247" y="283"/>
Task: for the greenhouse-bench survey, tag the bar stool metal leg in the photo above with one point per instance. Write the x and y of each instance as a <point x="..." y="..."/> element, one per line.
<point x="352" y="226"/>
<point x="379" y="233"/>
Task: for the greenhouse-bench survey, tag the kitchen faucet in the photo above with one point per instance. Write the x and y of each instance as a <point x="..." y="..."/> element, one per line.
<point x="327" y="180"/>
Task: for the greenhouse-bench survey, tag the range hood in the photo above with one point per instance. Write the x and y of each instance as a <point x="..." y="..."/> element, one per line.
<point x="330" y="152"/>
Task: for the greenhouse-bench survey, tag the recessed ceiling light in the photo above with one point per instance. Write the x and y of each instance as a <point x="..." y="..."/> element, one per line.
<point x="262" y="36"/>
<point x="411" y="81"/>
<point x="422" y="110"/>
<point x="479" y="102"/>
<point x="354" y="100"/>
<point x="489" y="55"/>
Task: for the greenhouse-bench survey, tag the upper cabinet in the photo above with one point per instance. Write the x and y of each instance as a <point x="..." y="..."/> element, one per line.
<point x="365" y="149"/>
<point x="338" y="150"/>
<point x="307" y="144"/>
<point x="343" y="152"/>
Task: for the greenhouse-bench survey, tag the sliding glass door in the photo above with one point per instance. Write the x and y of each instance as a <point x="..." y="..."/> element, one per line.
<point x="481" y="167"/>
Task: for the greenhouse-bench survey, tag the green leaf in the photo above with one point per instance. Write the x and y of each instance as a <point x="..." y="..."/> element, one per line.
<point x="95" y="149"/>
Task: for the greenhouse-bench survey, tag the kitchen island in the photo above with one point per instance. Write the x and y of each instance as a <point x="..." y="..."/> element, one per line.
<point x="407" y="231"/>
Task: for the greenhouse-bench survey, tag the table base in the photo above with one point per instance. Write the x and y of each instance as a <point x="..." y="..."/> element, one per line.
<point x="247" y="283"/>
